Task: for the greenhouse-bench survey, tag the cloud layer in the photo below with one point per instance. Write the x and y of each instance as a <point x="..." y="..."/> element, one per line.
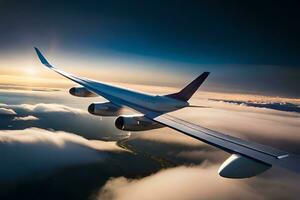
<point x="271" y="127"/>
<point x="56" y="159"/>
<point x="178" y="183"/>
<point x="34" y="150"/>
<point x="26" y="118"/>
<point x="282" y="106"/>
<point x="7" y="111"/>
<point x="59" y="117"/>
<point x="195" y="183"/>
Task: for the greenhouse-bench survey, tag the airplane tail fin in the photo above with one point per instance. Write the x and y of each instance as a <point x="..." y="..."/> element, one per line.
<point x="186" y="93"/>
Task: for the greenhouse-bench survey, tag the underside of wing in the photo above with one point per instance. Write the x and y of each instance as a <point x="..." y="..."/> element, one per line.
<point x="248" y="159"/>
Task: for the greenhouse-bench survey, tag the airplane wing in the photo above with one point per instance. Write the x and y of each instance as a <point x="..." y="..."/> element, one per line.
<point x="248" y="158"/>
<point x="256" y="152"/>
<point x="80" y="81"/>
<point x="87" y="83"/>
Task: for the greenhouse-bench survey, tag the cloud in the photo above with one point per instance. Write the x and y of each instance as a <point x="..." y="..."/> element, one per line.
<point x="282" y="106"/>
<point x="26" y="118"/>
<point x="199" y="182"/>
<point x="43" y="164"/>
<point x="152" y="149"/>
<point x="174" y="148"/>
<point x="178" y="183"/>
<point x="7" y="111"/>
<point x="42" y="108"/>
<point x="33" y="150"/>
<point x="275" y="128"/>
<point x="61" y="118"/>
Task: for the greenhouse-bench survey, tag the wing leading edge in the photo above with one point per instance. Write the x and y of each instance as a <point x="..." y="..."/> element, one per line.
<point x="94" y="86"/>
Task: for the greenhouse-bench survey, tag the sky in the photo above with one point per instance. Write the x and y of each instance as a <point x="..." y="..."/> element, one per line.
<point x="249" y="47"/>
<point x="52" y="148"/>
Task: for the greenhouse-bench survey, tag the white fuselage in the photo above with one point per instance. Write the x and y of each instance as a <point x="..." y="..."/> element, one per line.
<point x="124" y="96"/>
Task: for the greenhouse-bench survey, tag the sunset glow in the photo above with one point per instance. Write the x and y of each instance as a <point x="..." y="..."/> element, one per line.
<point x="149" y="100"/>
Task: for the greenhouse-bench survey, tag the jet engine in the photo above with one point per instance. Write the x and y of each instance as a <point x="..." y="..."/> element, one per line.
<point x="81" y="92"/>
<point x="104" y="109"/>
<point x="136" y="123"/>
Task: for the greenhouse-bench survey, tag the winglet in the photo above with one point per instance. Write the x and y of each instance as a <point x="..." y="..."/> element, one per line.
<point x="186" y="93"/>
<point x="42" y="58"/>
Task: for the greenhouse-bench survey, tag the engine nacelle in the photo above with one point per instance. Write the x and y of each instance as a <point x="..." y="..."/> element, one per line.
<point x="136" y="123"/>
<point x="81" y="92"/>
<point x="104" y="109"/>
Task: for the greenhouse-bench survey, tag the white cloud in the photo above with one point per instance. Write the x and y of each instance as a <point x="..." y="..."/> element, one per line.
<point x="42" y="107"/>
<point x="270" y="127"/>
<point x="37" y="153"/>
<point x="177" y="184"/>
<point x="274" y="128"/>
<point x="7" y="111"/>
<point x="26" y="118"/>
<point x="65" y="118"/>
<point x="197" y="183"/>
<point x="33" y="150"/>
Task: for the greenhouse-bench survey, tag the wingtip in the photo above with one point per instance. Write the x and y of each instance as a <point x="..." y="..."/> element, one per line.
<point x="42" y="58"/>
<point x="187" y="92"/>
<point x="204" y="75"/>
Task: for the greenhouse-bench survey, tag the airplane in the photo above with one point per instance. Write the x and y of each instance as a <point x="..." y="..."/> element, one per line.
<point x="247" y="158"/>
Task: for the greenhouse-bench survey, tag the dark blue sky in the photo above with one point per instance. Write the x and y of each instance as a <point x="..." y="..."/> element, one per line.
<point x="231" y="33"/>
<point x="212" y="32"/>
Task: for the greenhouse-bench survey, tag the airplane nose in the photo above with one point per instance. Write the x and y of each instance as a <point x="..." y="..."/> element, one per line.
<point x="91" y="108"/>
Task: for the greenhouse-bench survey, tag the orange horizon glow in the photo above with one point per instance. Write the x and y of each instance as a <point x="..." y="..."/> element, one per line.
<point x="25" y="71"/>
